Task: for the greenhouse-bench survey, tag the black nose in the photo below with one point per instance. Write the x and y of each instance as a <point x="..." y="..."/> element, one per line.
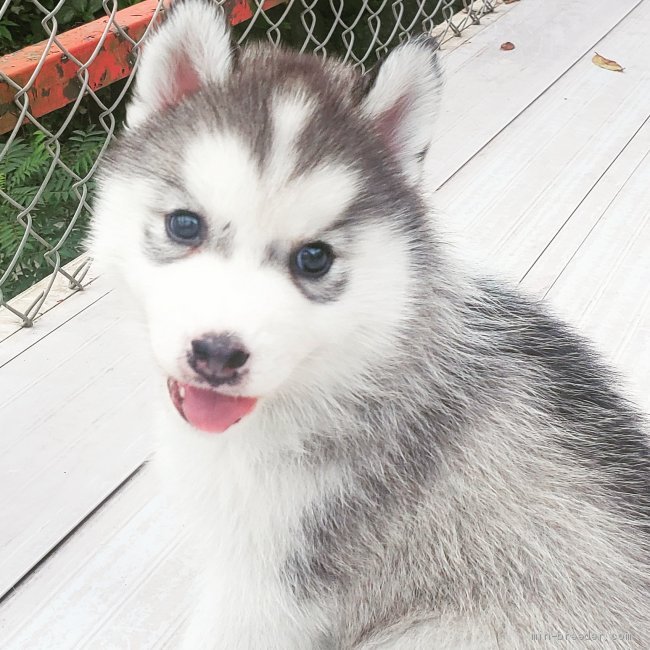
<point x="218" y="358"/>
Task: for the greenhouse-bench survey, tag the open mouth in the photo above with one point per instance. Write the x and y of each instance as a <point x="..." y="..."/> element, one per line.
<point x="206" y="409"/>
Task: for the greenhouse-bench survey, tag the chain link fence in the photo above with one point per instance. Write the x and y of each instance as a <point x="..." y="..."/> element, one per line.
<point x="65" y="69"/>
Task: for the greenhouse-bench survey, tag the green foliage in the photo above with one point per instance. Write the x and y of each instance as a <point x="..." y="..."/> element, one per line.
<point x="29" y="159"/>
<point x="28" y="162"/>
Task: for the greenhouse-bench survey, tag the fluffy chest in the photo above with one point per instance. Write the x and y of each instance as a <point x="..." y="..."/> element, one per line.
<point x="245" y="516"/>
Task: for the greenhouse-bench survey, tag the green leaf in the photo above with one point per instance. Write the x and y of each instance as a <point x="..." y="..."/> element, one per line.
<point x="66" y="15"/>
<point x="79" y="6"/>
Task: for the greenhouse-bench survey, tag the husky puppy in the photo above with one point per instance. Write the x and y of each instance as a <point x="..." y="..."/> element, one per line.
<point x="371" y="449"/>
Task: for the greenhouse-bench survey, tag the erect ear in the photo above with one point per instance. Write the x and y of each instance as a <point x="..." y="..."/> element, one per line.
<point x="403" y="101"/>
<point x="191" y="49"/>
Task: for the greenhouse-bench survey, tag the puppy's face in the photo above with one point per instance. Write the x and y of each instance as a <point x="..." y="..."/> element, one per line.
<point x="263" y="212"/>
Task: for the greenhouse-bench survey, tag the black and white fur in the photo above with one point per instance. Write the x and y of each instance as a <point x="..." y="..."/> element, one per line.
<point x="434" y="462"/>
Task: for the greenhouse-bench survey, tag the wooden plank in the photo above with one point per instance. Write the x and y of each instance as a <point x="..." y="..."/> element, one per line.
<point x="42" y="505"/>
<point x="511" y="199"/>
<point x="486" y="89"/>
<point x="605" y="287"/>
<point x="57" y="462"/>
<point x="60" y="291"/>
<point x="573" y="234"/>
<point x="61" y="345"/>
<point x="64" y="313"/>
<point x="120" y="582"/>
<point x="449" y="41"/>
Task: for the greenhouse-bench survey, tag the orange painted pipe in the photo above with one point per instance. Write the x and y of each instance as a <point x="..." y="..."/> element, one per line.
<point x="58" y="84"/>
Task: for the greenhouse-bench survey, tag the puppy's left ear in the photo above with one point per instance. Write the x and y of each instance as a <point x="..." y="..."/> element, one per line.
<point x="403" y="101"/>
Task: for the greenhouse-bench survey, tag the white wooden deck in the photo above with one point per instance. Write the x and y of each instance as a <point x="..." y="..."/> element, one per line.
<point x="542" y="171"/>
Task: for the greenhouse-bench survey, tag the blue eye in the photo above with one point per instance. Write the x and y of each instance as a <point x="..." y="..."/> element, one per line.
<point x="312" y="260"/>
<point x="185" y="227"/>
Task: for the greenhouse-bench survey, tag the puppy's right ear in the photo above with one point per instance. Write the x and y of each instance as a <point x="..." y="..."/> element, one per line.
<point x="403" y="101"/>
<point x="191" y="49"/>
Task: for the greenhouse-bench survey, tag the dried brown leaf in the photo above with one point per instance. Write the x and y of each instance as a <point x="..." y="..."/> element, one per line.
<point x="507" y="46"/>
<point x="607" y="64"/>
<point x="509" y="2"/>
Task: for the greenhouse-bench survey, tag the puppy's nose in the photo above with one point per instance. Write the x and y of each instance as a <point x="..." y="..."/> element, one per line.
<point x="218" y="358"/>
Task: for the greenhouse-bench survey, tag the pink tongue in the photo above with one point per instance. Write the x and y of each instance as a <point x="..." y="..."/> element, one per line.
<point x="208" y="410"/>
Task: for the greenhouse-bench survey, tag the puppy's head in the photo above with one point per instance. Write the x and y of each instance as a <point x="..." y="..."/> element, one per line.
<point x="263" y="208"/>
